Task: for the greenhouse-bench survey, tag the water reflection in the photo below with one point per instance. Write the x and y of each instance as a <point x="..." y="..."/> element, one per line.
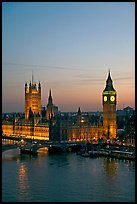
<point x="59" y="160"/>
<point x="110" y="166"/>
<point x="23" y="183"/>
<point x="43" y="151"/>
<point x="67" y="177"/>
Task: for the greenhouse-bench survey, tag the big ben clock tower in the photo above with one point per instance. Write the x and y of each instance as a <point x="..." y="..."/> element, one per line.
<point x="109" y="109"/>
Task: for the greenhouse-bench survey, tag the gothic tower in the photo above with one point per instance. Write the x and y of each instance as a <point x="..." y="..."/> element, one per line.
<point x="50" y="107"/>
<point x="79" y="116"/>
<point x="32" y="99"/>
<point x="109" y="109"/>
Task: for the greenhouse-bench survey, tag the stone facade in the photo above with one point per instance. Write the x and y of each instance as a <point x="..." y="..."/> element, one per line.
<point x="48" y="124"/>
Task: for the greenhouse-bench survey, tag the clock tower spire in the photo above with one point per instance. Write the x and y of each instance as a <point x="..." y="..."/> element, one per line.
<point x="109" y="109"/>
<point x="109" y="83"/>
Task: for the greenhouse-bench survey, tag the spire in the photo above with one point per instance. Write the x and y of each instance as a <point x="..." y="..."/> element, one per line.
<point x="79" y="111"/>
<point x="109" y="71"/>
<point x="50" y="93"/>
<point x="109" y="80"/>
<point x="50" y="98"/>
<point x="39" y="85"/>
<point x="32" y="76"/>
<point x="109" y="83"/>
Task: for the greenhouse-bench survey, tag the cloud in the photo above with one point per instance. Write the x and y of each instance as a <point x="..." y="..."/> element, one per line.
<point x="41" y="67"/>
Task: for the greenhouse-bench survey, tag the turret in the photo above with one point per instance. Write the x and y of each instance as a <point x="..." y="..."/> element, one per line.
<point x="30" y="84"/>
<point x="50" y="107"/>
<point x="39" y="87"/>
<point x="31" y="115"/>
<point x="50" y="99"/>
<point x="79" y="116"/>
<point x="79" y="111"/>
<point x="26" y="87"/>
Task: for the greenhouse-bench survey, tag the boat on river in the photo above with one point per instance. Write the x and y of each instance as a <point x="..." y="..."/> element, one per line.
<point x="30" y="149"/>
<point x="118" y="154"/>
<point x="122" y="155"/>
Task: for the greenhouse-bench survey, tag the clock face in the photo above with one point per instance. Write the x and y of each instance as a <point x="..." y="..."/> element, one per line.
<point x="105" y="98"/>
<point x="112" y="98"/>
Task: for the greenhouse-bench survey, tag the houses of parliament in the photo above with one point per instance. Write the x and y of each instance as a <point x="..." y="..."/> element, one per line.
<point x="47" y="123"/>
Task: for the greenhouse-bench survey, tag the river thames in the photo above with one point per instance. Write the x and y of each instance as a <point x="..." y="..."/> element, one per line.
<point x="66" y="177"/>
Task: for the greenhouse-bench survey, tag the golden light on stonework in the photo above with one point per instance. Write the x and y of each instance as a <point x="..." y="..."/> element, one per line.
<point x="105" y="98"/>
<point x="109" y="92"/>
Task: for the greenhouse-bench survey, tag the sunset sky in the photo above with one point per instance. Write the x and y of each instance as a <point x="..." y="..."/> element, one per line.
<point x="70" y="47"/>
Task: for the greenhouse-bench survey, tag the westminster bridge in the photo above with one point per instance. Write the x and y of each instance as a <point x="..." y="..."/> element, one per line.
<point x="13" y="142"/>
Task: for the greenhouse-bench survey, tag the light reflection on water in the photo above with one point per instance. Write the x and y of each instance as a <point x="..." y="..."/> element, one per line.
<point x="23" y="181"/>
<point x="67" y="177"/>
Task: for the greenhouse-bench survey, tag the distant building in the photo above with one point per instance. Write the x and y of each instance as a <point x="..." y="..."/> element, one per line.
<point x="32" y="126"/>
<point x="127" y="111"/>
<point x="49" y="124"/>
<point x="80" y="128"/>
